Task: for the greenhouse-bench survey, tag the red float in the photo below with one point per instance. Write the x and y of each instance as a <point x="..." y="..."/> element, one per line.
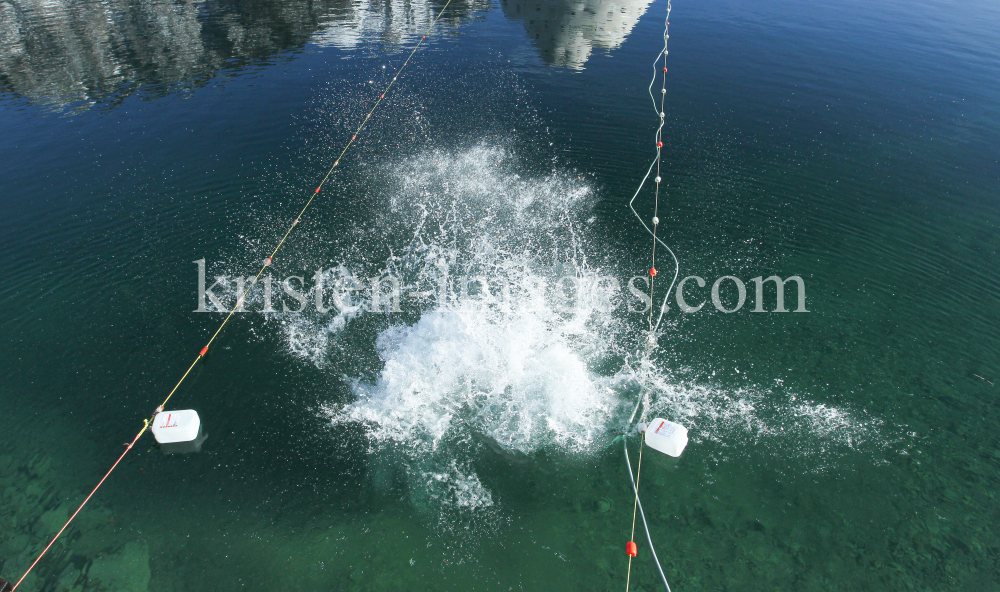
<point x="652" y="271"/>
<point x="630" y="549"/>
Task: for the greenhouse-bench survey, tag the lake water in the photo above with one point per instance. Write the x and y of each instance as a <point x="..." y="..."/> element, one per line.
<point x="466" y="439"/>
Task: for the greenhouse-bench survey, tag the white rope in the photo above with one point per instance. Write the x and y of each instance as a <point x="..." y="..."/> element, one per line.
<point x="645" y="526"/>
<point x="654" y="327"/>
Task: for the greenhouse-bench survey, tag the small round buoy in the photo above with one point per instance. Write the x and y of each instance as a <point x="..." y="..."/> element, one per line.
<point x="662" y="114"/>
<point x="663" y="91"/>
<point x="659" y="144"/>
<point x="655" y="220"/>
<point x="664" y="69"/>
<point x="658" y="179"/>
<point x="630" y="549"/>
<point x="652" y="271"/>
<point x="267" y="261"/>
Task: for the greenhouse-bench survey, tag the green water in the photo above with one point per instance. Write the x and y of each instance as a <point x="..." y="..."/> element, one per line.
<point x="850" y="447"/>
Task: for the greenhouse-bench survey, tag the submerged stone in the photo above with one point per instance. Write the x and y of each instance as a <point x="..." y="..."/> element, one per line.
<point x="126" y="570"/>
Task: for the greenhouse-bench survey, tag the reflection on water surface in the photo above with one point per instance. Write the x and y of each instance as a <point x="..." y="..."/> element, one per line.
<point x="567" y="31"/>
<point x="62" y="52"/>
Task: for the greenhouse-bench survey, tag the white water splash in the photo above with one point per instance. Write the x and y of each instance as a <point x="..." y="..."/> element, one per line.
<point x="506" y="355"/>
<point x="738" y="420"/>
<point x="515" y="377"/>
<point x="511" y="359"/>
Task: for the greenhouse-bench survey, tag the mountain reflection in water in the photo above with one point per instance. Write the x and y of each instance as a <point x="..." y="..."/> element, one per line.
<point x="62" y="52"/>
<point x="567" y="31"/>
<point x="65" y="52"/>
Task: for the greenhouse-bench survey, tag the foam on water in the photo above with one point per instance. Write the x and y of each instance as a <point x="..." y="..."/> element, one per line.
<point x="462" y="490"/>
<point x="741" y="421"/>
<point x="309" y="334"/>
<point x="510" y="356"/>
<point x="511" y="376"/>
<point x="505" y="342"/>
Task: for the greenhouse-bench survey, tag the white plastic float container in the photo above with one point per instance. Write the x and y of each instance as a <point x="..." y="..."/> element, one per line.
<point x="178" y="431"/>
<point x="666" y="436"/>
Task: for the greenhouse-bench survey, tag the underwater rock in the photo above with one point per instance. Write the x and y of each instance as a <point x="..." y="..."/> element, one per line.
<point x="39" y="466"/>
<point x="96" y="533"/>
<point x="69" y="580"/>
<point x="34" y="493"/>
<point x="30" y="583"/>
<point x="94" y="542"/>
<point x="125" y="571"/>
<point x="52" y="521"/>
<point x="35" y="503"/>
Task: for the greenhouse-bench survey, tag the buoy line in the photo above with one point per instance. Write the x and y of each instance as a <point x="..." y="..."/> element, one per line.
<point x="266" y="263"/>
<point x="649" y="539"/>
<point x="654" y="327"/>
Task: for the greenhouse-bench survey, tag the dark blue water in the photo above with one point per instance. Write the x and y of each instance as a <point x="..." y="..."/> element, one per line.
<point x="464" y="443"/>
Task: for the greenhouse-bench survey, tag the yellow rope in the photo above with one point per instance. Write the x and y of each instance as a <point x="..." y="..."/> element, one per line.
<point x="653" y="327"/>
<point x="298" y="218"/>
<point x="267" y="262"/>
